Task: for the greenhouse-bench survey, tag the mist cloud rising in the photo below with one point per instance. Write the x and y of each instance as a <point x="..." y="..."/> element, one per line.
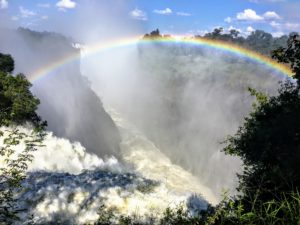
<point x="187" y="100"/>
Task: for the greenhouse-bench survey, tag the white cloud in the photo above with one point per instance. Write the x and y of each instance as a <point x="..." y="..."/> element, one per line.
<point x="249" y="15"/>
<point x="275" y="24"/>
<point x="3" y="4"/>
<point x="138" y="14"/>
<point x="277" y="34"/>
<point x="44" y="17"/>
<point x="26" y="13"/>
<point x="286" y="26"/>
<point x="166" y="11"/>
<point x="250" y="30"/>
<point x="66" y="4"/>
<point x="271" y="15"/>
<point x="183" y="14"/>
<point x="43" y="5"/>
<point x="228" y="19"/>
<point x="291" y="26"/>
<point x="234" y="28"/>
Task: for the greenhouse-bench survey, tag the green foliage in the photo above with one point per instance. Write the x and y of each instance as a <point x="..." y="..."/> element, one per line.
<point x="217" y="34"/>
<point x="17" y="104"/>
<point x="106" y="216"/>
<point x="269" y="144"/>
<point x="153" y="35"/>
<point x="260" y="97"/>
<point x="269" y="140"/>
<point x="291" y="54"/>
<point x="258" y="40"/>
<point x="180" y="216"/>
<point x="282" y="211"/>
<point x="14" y="167"/>
<point x="17" y="107"/>
<point x="6" y="63"/>
<point x="176" y="216"/>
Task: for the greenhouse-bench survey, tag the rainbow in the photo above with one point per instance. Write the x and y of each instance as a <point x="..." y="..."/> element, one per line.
<point x="213" y="44"/>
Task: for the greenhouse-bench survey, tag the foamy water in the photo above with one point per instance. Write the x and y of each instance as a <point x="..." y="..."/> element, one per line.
<point x="149" y="161"/>
<point x="66" y="183"/>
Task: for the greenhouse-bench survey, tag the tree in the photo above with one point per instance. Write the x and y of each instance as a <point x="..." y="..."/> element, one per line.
<point x="6" y="63"/>
<point x="17" y="104"/>
<point x="17" y="107"/>
<point x="260" y="41"/>
<point x="153" y="35"/>
<point x="234" y="33"/>
<point x="269" y="140"/>
<point x="216" y="34"/>
<point x="290" y="54"/>
<point x="269" y="144"/>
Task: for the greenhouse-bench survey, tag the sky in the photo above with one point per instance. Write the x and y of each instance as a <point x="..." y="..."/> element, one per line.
<point x="180" y="17"/>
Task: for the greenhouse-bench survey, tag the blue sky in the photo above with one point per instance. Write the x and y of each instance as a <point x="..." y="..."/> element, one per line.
<point x="170" y="16"/>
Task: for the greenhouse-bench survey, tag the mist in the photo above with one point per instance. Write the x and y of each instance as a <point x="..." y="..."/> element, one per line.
<point x="159" y="112"/>
<point x="187" y="100"/>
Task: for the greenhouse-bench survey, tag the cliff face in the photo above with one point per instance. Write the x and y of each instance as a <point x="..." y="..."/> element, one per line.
<point x="69" y="105"/>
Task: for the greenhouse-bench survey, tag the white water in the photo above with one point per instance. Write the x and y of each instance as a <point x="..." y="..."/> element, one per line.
<point x="149" y="161"/>
<point x="68" y="183"/>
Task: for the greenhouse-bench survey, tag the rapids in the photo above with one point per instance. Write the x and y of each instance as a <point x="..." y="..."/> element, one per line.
<point x="66" y="183"/>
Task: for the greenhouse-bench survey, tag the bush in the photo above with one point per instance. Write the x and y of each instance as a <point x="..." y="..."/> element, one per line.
<point x="284" y="211"/>
<point x="17" y="107"/>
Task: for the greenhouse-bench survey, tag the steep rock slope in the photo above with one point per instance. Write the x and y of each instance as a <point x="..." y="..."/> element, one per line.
<point x="71" y="108"/>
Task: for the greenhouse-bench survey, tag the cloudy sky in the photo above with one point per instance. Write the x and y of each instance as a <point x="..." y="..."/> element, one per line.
<point x="170" y="16"/>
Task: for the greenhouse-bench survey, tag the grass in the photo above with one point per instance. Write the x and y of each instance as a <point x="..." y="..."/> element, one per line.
<point x="282" y="211"/>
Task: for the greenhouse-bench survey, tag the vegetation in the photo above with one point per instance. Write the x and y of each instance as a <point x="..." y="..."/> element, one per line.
<point x="17" y="107"/>
<point x="258" y="40"/>
<point x="283" y="211"/>
<point x="156" y="35"/>
<point x="290" y="54"/>
<point x="7" y="64"/>
<point x="171" y="216"/>
<point x="269" y="145"/>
